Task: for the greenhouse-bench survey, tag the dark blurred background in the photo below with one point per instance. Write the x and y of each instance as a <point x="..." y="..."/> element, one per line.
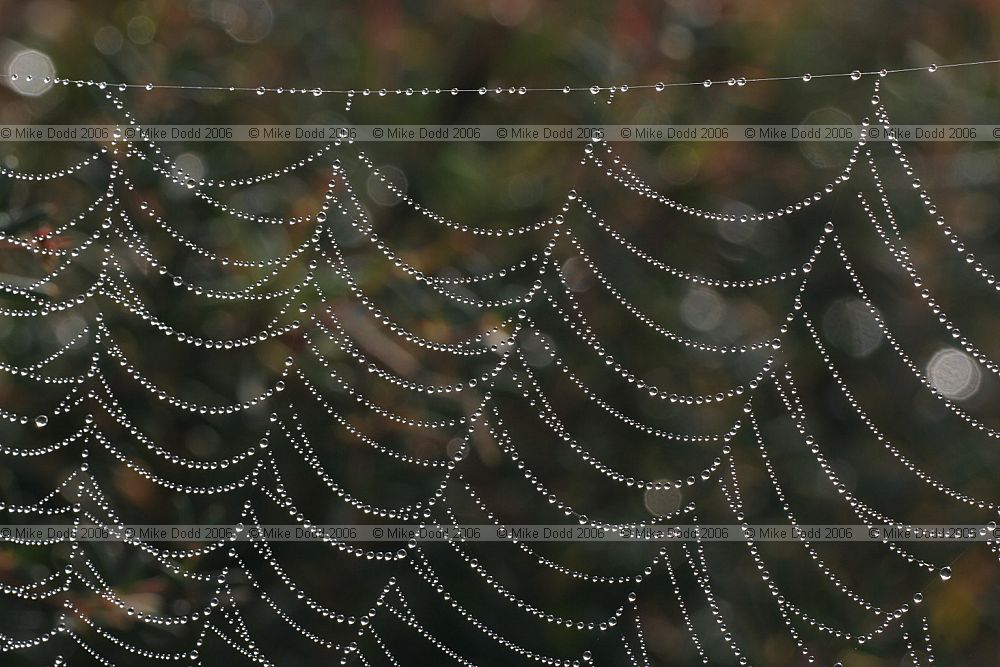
<point x="499" y="186"/>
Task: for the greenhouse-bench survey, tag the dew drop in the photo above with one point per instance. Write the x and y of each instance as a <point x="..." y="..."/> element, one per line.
<point x="932" y="68"/>
<point x="855" y="75"/>
<point x="41" y="421"/>
<point x="707" y="83"/>
<point x="660" y="86"/>
<point x="807" y="77"/>
<point x="594" y="90"/>
<point x="945" y="573"/>
<point x="260" y="91"/>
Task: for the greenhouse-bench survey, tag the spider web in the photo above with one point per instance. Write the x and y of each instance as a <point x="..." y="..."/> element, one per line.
<point x="350" y="367"/>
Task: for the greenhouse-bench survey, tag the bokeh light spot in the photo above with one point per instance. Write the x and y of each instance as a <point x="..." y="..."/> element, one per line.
<point x="954" y="374"/>
<point x="30" y="72"/>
